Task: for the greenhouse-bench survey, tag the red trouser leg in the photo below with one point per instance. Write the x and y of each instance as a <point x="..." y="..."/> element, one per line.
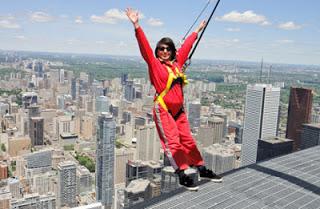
<point x="187" y="141"/>
<point x="170" y="138"/>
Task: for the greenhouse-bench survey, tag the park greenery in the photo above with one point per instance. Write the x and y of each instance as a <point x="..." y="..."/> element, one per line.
<point x="85" y="161"/>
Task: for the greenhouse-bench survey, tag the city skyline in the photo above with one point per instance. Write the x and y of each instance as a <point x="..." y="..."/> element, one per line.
<point x="240" y="30"/>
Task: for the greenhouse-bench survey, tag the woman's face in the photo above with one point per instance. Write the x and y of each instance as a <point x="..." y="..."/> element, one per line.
<point x="164" y="52"/>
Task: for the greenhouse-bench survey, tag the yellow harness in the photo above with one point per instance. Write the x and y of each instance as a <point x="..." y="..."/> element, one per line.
<point x="159" y="99"/>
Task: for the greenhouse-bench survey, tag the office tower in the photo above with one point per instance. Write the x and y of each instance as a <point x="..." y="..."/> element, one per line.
<point x="74" y="88"/>
<point x="38" y="69"/>
<point x="123" y="155"/>
<point x="299" y="112"/>
<point x="225" y="121"/>
<point x="219" y="159"/>
<point x="87" y="127"/>
<point x="129" y="91"/>
<point x="194" y="114"/>
<point x="260" y="119"/>
<point x="310" y="135"/>
<point x="212" y="132"/>
<point x="36" y="130"/>
<point x="273" y="147"/>
<point x="67" y="184"/>
<point x="84" y="180"/>
<point x="102" y="104"/>
<point x="61" y="76"/>
<point x="41" y="160"/>
<point x="105" y="159"/>
<point x="217" y="124"/>
<point x="124" y="78"/>
<point x="148" y="146"/>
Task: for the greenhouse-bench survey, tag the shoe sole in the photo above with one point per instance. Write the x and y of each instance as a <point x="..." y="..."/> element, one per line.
<point x="194" y="189"/>
<point x="212" y="180"/>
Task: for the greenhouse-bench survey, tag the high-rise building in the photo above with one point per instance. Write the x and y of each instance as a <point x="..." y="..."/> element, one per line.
<point x="299" y="112"/>
<point x="129" y="91"/>
<point x="123" y="155"/>
<point x="102" y="104"/>
<point x="67" y="184"/>
<point x="105" y="159"/>
<point x="310" y="135"/>
<point x="148" y="146"/>
<point x="39" y="159"/>
<point x="194" y="114"/>
<point x="74" y="89"/>
<point x="260" y="119"/>
<point x="219" y="159"/>
<point x="84" y="180"/>
<point x="36" y="130"/>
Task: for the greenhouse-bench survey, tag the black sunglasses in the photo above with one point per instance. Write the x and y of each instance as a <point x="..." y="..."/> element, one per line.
<point x="162" y="48"/>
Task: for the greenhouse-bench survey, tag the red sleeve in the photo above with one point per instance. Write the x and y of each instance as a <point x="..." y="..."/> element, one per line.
<point x="183" y="52"/>
<point x="145" y="48"/>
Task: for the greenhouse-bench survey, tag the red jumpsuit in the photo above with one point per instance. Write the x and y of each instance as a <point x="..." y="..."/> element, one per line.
<point x="174" y="133"/>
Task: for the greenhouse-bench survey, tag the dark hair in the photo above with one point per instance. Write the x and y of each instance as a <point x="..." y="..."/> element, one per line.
<point x="167" y="41"/>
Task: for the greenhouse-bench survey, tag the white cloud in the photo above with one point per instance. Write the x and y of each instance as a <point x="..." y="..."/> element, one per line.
<point x="285" y="41"/>
<point x="111" y="16"/>
<point x="41" y="17"/>
<point x="8" y="22"/>
<point x="155" y="22"/>
<point x="233" y="29"/>
<point x="245" y="17"/>
<point x="21" y="37"/>
<point x="289" y="26"/>
<point x="78" y="20"/>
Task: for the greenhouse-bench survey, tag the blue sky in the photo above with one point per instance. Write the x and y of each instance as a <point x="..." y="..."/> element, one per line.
<point x="285" y="31"/>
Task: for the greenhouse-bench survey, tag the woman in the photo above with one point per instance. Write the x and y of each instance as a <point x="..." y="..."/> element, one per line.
<point x="171" y="120"/>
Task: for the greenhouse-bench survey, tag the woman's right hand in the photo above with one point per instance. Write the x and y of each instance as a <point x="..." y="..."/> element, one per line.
<point x="133" y="17"/>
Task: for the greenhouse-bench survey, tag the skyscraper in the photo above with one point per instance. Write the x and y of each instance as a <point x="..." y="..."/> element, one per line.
<point x="67" y="185"/>
<point x="74" y="88"/>
<point x="194" y="114"/>
<point x="102" y="104"/>
<point x="148" y="146"/>
<point x="105" y="159"/>
<point x="36" y="130"/>
<point x="299" y="112"/>
<point x="260" y="120"/>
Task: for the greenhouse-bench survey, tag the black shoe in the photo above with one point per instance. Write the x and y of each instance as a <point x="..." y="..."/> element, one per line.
<point x="209" y="175"/>
<point x="186" y="181"/>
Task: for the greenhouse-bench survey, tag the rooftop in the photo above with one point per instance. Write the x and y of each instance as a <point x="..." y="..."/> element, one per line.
<point x="290" y="181"/>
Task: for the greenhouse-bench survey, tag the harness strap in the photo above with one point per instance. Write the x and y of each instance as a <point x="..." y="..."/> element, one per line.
<point x="172" y="77"/>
